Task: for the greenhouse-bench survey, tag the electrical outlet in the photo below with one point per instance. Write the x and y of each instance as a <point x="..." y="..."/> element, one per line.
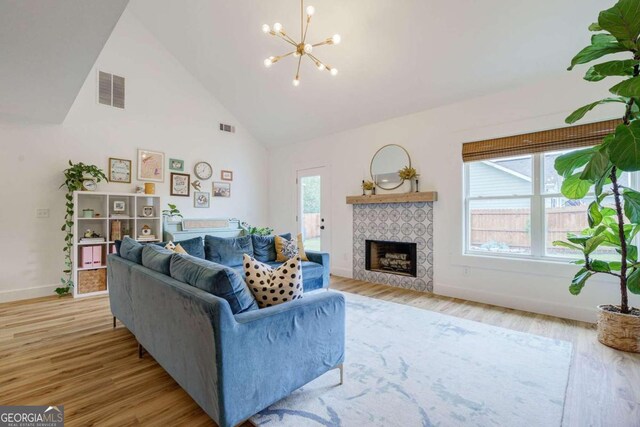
<point x="42" y="213"/>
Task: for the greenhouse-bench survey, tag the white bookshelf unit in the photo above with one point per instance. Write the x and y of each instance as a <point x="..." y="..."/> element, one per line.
<point x="102" y="217"/>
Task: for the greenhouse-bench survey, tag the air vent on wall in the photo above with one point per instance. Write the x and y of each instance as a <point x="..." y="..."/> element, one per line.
<point x="110" y="89"/>
<point x="227" y="128"/>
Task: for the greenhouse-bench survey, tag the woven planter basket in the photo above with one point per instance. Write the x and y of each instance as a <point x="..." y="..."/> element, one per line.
<point x="619" y="331"/>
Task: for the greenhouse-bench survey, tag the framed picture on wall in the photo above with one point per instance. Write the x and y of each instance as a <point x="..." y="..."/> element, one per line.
<point x="201" y="199"/>
<point x="226" y="175"/>
<point x="180" y="184"/>
<point x="176" y="165"/>
<point x="221" y="189"/>
<point x="119" y="170"/>
<point x="150" y="166"/>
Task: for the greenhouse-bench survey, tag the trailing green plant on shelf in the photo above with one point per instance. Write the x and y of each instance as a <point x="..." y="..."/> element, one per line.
<point x="616" y="32"/>
<point x="74" y="176"/>
<point x="172" y="211"/>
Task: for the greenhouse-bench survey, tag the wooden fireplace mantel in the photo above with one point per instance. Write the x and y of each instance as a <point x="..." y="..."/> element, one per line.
<point x="423" y="196"/>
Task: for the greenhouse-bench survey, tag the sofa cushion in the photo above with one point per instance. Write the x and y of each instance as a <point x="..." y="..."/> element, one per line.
<point x="194" y="247"/>
<point x="264" y="247"/>
<point x="216" y="279"/>
<point x="156" y="258"/>
<point x="227" y="251"/>
<point x="131" y="250"/>
<point x="310" y="270"/>
<point x="273" y="286"/>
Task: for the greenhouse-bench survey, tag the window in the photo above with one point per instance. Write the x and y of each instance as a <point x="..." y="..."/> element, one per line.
<point x="514" y="207"/>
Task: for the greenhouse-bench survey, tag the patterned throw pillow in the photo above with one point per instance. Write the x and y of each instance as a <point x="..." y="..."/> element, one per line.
<point x="286" y="249"/>
<point x="273" y="286"/>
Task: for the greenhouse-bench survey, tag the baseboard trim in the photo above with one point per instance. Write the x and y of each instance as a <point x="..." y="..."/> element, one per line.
<point x="564" y="311"/>
<point x="27" y="293"/>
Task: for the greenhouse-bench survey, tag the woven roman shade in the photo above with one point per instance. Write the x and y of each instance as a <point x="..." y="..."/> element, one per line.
<point x="537" y="142"/>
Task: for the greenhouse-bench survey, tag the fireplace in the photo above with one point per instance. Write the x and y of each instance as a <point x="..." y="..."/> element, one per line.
<point x="391" y="257"/>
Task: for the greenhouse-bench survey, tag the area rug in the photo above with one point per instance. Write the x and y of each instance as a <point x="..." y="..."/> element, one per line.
<point x="405" y="366"/>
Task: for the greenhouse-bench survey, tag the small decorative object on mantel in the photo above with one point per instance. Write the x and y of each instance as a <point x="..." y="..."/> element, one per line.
<point x="408" y="173"/>
<point x="367" y="188"/>
<point x="417" y="186"/>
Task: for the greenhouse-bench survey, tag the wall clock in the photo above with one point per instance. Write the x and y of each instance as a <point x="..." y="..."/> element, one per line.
<point x="203" y="170"/>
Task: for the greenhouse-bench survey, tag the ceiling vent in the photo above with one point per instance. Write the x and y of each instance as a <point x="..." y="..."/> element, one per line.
<point x="110" y="89"/>
<point x="227" y="128"/>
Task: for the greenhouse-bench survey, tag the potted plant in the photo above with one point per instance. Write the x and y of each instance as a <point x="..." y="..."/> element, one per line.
<point x="258" y="231"/>
<point x="173" y="213"/>
<point x="367" y="187"/>
<point x="408" y="173"/>
<point x="74" y="177"/>
<point x="600" y="167"/>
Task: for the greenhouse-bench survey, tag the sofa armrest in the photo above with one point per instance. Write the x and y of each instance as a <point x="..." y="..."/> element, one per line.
<point x="324" y="259"/>
<point x="276" y="350"/>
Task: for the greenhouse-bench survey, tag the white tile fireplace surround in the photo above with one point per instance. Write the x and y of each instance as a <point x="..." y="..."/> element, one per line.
<point x="409" y="222"/>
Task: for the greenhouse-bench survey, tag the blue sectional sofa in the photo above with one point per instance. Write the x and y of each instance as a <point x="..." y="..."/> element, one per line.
<point x="199" y="321"/>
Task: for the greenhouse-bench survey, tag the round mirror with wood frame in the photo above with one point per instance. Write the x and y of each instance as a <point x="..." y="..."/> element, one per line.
<point x="386" y="164"/>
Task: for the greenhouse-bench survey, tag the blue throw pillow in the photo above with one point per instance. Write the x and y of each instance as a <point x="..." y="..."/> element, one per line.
<point x="194" y="247"/>
<point x="131" y="250"/>
<point x="264" y="247"/>
<point x="156" y="258"/>
<point x="214" y="278"/>
<point x="227" y="251"/>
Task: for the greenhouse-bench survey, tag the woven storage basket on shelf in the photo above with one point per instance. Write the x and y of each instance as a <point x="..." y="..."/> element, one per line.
<point x="92" y="281"/>
<point x="617" y="330"/>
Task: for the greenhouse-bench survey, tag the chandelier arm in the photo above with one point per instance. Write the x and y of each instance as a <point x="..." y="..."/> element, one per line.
<point x="298" y="70"/>
<point x="286" y="38"/>
<point x="313" y="57"/>
<point x="285" y="55"/>
<point x="304" y="37"/>
<point x="320" y="44"/>
<point x="301" y="20"/>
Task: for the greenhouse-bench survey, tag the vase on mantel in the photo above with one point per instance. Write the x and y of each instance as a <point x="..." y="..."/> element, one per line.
<point x="408" y="185"/>
<point x="368" y="192"/>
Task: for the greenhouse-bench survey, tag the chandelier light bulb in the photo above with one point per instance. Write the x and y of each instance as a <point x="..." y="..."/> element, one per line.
<point x="268" y="62"/>
<point x="311" y="10"/>
<point x="296" y="54"/>
<point x="320" y="66"/>
<point x="277" y="27"/>
<point x="296" y="82"/>
<point x="266" y="28"/>
<point x="308" y="48"/>
<point x="336" y="39"/>
<point x="334" y="71"/>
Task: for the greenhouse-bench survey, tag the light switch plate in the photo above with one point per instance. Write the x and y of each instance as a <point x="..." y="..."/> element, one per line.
<point x="42" y="213"/>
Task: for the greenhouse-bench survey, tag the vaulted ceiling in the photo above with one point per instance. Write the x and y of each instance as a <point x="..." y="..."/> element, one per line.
<point x="46" y="51"/>
<point x="396" y="57"/>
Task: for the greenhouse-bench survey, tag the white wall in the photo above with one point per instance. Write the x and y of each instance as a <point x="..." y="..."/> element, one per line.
<point x="434" y="140"/>
<point x="166" y="110"/>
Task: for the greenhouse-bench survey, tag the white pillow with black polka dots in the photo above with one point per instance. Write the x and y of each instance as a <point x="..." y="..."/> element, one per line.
<point x="273" y="286"/>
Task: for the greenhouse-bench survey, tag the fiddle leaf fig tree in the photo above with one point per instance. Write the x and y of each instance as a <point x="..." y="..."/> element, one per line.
<point x="73" y="177"/>
<point x="617" y="32"/>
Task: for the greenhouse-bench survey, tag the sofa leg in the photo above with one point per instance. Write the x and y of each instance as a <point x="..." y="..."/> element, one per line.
<point x="341" y="367"/>
<point x="114" y="322"/>
<point x="140" y="351"/>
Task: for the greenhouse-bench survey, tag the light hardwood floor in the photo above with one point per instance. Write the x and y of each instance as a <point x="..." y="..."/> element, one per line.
<point x="65" y="351"/>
